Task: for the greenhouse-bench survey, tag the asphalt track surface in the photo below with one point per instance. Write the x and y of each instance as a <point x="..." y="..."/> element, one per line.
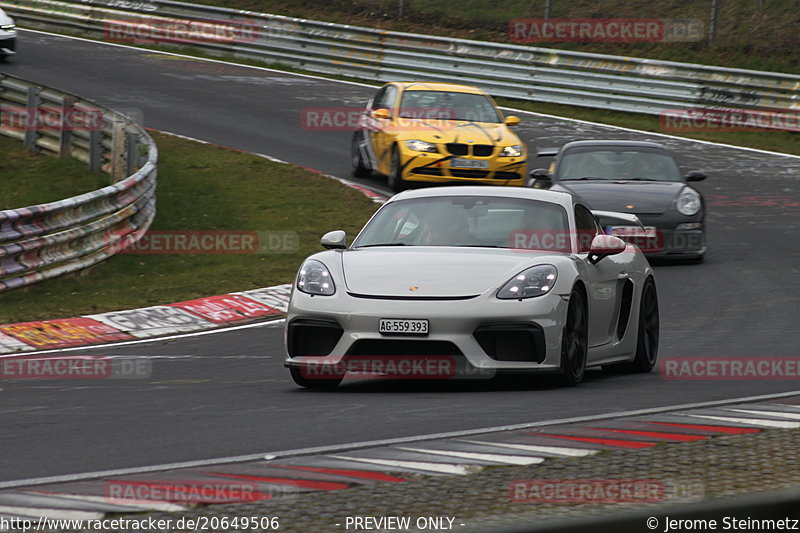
<point x="228" y="394"/>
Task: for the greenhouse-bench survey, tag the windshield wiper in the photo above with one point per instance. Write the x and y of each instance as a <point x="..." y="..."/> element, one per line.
<point x="640" y="179"/>
<point x="382" y="244"/>
<point x="585" y="178"/>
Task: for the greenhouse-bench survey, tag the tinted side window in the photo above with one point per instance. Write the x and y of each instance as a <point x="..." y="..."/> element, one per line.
<point x="374" y="103"/>
<point x="586" y="228"/>
<point x="385" y="99"/>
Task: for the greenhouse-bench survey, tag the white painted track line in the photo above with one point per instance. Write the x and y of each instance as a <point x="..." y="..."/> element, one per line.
<point x="438" y="468"/>
<point x="776" y="414"/>
<point x="144" y="505"/>
<point x="494" y="458"/>
<point x="555" y="450"/>
<point x="38" y="512"/>
<point x="750" y="421"/>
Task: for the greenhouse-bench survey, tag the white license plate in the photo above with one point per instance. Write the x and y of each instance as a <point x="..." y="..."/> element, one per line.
<point x="403" y="326"/>
<point x="468" y="163"/>
<point x="632" y="231"/>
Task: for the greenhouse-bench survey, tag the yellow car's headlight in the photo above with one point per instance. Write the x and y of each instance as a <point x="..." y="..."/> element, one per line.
<point x="512" y="151"/>
<point x="421" y="146"/>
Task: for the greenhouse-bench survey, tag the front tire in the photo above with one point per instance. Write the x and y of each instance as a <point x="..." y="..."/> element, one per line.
<point x="575" y="340"/>
<point x="649" y="327"/>
<point x="360" y="170"/>
<point x="313" y="383"/>
<point x="395" y="179"/>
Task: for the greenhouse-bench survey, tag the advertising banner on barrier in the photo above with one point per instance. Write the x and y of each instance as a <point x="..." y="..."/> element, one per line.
<point x="227" y="308"/>
<point x="276" y="297"/>
<point x="64" y="332"/>
<point x="152" y="321"/>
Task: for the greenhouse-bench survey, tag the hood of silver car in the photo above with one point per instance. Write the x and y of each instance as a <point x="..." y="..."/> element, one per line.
<point x="427" y="272"/>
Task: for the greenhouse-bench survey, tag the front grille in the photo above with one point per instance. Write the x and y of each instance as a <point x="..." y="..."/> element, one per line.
<point x="457" y="148"/>
<point x="312" y="336"/>
<point x="468" y="173"/>
<point x="482" y="150"/>
<point x="427" y="171"/>
<point x="512" y="341"/>
<point x="479" y="150"/>
<point x="403" y="347"/>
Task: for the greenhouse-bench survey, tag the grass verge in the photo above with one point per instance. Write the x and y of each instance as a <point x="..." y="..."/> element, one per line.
<point x="204" y="187"/>
<point x="29" y="179"/>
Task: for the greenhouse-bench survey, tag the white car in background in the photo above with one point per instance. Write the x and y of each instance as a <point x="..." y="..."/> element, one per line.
<point x="8" y="36"/>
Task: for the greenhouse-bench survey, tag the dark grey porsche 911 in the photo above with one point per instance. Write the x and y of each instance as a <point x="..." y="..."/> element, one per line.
<point x="635" y="177"/>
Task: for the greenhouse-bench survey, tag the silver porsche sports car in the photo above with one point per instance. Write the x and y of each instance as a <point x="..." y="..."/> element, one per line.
<point x="453" y="282"/>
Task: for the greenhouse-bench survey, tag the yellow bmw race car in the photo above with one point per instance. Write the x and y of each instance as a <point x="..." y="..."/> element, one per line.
<point x="437" y="133"/>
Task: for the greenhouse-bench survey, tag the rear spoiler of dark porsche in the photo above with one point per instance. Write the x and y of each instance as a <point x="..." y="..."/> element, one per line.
<point x="613" y="218"/>
<point x="547" y="152"/>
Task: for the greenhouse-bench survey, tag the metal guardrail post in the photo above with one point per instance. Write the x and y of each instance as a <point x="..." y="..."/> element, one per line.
<point x="31" y="115"/>
<point x="95" y="150"/>
<point x="65" y="133"/>
<point x="131" y="151"/>
<point x="712" y="32"/>
<point x="118" y="146"/>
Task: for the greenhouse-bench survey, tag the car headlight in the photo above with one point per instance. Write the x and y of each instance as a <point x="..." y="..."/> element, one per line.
<point x="512" y="151"/>
<point x="689" y="202"/>
<point x="534" y="281"/>
<point x="421" y="146"/>
<point x="315" y="278"/>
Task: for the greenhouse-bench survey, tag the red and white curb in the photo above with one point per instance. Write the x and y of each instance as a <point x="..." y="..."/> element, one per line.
<point x="286" y="474"/>
<point x="181" y="317"/>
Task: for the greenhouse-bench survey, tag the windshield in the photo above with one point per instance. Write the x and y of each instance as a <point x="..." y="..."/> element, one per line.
<point x="617" y="164"/>
<point x="468" y="221"/>
<point x="448" y="105"/>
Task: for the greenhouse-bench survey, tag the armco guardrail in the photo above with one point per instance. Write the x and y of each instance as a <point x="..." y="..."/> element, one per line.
<point x="48" y="240"/>
<point x="564" y="77"/>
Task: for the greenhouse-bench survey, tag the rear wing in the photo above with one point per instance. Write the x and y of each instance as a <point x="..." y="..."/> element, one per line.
<point x="547" y="152"/>
<point x="613" y="218"/>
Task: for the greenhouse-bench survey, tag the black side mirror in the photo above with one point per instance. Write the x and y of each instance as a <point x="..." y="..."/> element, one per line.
<point x="540" y="179"/>
<point x="694" y="175"/>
